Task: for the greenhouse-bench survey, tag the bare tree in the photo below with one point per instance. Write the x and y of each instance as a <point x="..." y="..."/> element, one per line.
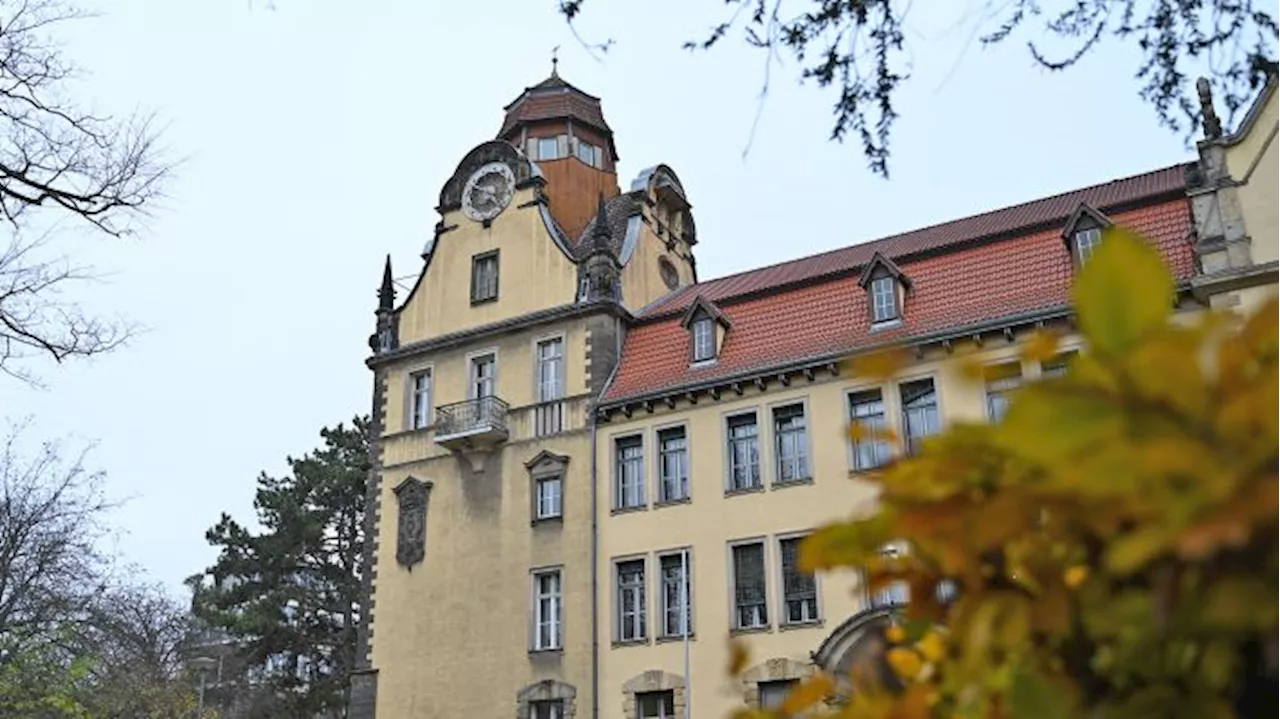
<point x="60" y="158"/>
<point x="859" y="48"/>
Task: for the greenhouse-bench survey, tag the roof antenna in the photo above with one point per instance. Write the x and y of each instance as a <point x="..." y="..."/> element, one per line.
<point x="555" y="60"/>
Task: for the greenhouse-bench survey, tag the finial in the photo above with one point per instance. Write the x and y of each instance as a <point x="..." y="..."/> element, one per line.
<point x="555" y="60"/>
<point x="1212" y="125"/>
<point x="387" y="293"/>
<point x="600" y="234"/>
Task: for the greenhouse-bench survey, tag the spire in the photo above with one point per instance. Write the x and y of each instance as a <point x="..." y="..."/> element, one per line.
<point x="387" y="293"/>
<point x="555" y="61"/>
<point x="600" y="235"/>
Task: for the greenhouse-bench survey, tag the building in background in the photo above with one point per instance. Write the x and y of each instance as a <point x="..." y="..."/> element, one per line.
<point x="591" y="469"/>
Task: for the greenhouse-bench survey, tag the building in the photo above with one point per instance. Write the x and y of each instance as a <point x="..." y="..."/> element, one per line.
<point x="616" y="462"/>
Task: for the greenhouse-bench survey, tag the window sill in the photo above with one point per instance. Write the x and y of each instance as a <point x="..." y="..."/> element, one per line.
<point x="792" y="483"/>
<point x="757" y="489"/>
<point x="699" y="364"/>
<point x="867" y="473"/>
<point x="547" y="521"/>
<point x="629" y="510"/>
<point x="483" y="300"/>
<point x="886" y="324"/>
<point x="811" y="624"/>
<point x="668" y="639"/>
<point x="766" y="629"/>
<point x="672" y="502"/>
<point x="552" y="652"/>
<point x="621" y="643"/>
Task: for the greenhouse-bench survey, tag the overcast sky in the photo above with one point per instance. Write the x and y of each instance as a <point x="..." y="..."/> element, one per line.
<point x="316" y="138"/>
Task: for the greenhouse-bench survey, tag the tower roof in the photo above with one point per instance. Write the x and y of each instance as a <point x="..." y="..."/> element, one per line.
<point x="554" y="99"/>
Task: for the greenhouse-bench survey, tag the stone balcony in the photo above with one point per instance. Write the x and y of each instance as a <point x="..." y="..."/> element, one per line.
<point x="478" y="424"/>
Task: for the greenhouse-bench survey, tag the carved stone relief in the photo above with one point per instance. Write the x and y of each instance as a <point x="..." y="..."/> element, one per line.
<point x="411" y="536"/>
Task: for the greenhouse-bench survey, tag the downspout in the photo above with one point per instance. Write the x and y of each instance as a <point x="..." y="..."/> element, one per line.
<point x="595" y="525"/>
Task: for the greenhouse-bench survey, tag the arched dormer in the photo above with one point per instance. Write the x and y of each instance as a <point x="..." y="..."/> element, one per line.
<point x="1083" y="233"/>
<point x="707" y="326"/>
<point x="859" y="644"/>
<point x="887" y="289"/>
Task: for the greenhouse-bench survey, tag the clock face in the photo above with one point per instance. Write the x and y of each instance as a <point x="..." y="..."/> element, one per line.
<point x="488" y="191"/>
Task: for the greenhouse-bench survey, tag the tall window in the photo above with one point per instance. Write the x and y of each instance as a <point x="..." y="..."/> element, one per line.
<point x="749" y="595"/>
<point x="590" y="154"/>
<point x="483" y="373"/>
<point x="549" y="709"/>
<point x="677" y="593"/>
<point x="791" y="437"/>
<point x="550" y="370"/>
<point x="867" y="409"/>
<point x="484" y="277"/>
<point x="744" y="452"/>
<point x="919" y="411"/>
<point x="884" y="299"/>
<point x="548" y="497"/>
<point x="774" y="693"/>
<point x="420" y="412"/>
<point x="656" y="705"/>
<point x="1087" y="242"/>
<point x="673" y="465"/>
<point x="631" y="601"/>
<point x="1001" y="381"/>
<point x="629" y="452"/>
<point x="547" y="610"/>
<point x="704" y="339"/>
<point x="799" y="589"/>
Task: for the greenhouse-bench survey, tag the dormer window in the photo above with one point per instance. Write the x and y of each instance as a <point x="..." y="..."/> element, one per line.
<point x="704" y="339"/>
<point x="886" y="285"/>
<point x="1083" y="233"/>
<point x="884" y="299"/>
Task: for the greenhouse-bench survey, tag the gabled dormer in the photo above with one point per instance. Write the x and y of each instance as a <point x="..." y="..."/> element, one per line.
<point x="1083" y="233"/>
<point x="887" y="289"/>
<point x="707" y="326"/>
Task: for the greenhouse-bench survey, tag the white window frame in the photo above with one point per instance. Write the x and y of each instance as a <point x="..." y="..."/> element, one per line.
<point x="907" y="446"/>
<point x="477" y="262"/>
<point x="704" y="338"/>
<point x="662" y="712"/>
<point x="998" y="388"/>
<point x="803" y="446"/>
<point x="785" y="685"/>
<point x="784" y="618"/>
<point x="884" y="300"/>
<point x="554" y="709"/>
<point x="734" y="615"/>
<point x="663" y="604"/>
<point x="548" y="505"/>
<point x="550" y="614"/>
<point x="549" y="389"/>
<point x="474" y="361"/>
<point x="684" y="493"/>
<point x="620" y="495"/>
<point x="878" y="446"/>
<point x="1086" y="243"/>
<point x="420" y="399"/>
<point x="552" y="142"/>
<point x="730" y="465"/>
<point x="639" y="617"/>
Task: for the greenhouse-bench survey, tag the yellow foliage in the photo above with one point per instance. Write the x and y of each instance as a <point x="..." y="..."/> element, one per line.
<point x="1113" y="540"/>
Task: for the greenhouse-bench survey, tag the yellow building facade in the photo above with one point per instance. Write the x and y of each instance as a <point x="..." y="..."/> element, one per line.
<point x="591" y="469"/>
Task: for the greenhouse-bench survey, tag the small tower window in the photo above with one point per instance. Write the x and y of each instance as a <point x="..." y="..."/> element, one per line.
<point x="1087" y="242"/>
<point x="884" y="299"/>
<point x="704" y="339"/>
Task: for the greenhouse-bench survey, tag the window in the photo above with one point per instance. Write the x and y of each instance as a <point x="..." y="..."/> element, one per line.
<point x="483" y="374"/>
<point x="704" y="339"/>
<point x="791" y="443"/>
<point x="548" y="148"/>
<point x="1087" y="242"/>
<point x="420" y="399"/>
<point x="656" y="705"/>
<point x="590" y="154"/>
<point x="548" y="497"/>
<point x="484" y="277"/>
<point x="673" y="465"/>
<point x="744" y="452"/>
<point x="677" y="595"/>
<point x="867" y="408"/>
<point x="774" y="693"/>
<point x="1001" y="381"/>
<point x="1057" y="366"/>
<point x="749" y="599"/>
<point x="894" y="594"/>
<point x="629" y="453"/>
<point x="884" y="299"/>
<point x="550" y="370"/>
<point x="631" y="601"/>
<point x="550" y="709"/>
<point x="547" y="609"/>
<point x="799" y="589"/>
<point x="919" y="411"/>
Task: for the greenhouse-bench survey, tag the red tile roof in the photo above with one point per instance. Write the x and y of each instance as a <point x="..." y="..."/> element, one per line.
<point x="777" y="322"/>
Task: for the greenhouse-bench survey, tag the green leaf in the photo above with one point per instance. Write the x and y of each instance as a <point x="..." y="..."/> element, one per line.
<point x="1032" y="695"/>
<point x="1123" y="292"/>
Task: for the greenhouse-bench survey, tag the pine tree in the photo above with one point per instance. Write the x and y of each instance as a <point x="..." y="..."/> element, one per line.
<point x="289" y="595"/>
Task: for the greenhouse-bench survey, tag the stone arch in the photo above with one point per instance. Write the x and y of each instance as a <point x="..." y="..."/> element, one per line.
<point x="547" y="690"/>
<point x="773" y="670"/>
<point x="654" y="680"/>
<point x="859" y="642"/>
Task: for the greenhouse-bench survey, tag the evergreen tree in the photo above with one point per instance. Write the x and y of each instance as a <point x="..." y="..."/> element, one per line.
<point x="289" y="594"/>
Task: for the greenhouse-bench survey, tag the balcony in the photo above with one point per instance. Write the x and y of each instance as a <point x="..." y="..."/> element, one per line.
<point x="473" y="425"/>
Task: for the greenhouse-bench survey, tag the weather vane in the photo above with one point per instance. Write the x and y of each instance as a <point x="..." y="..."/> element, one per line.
<point x="555" y="60"/>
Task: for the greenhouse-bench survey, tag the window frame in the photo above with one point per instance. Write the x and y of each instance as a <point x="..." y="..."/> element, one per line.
<point x="703" y="331"/>
<point x="885" y="415"/>
<point x="909" y="447"/>
<point x="728" y="444"/>
<point x="1078" y="247"/>
<point x="555" y="144"/>
<point x="667" y="699"/>
<point x="472" y="379"/>
<point x="556" y="641"/>
<point x="876" y="288"/>
<point x="476" y="261"/>
<point x="411" y="399"/>
<point x="641" y="613"/>
<point x="547" y="479"/>
<point x="785" y="614"/>
<point x="771" y="683"/>
<point x="999" y="386"/>
<point x="1061" y="360"/>
<point x="675" y="553"/>
<point x="804" y="445"/>
<point x="554" y="709"/>
<point x="660" y="465"/>
<point x="618" y="490"/>
<point x="561" y="367"/>
<point x="735" y="616"/>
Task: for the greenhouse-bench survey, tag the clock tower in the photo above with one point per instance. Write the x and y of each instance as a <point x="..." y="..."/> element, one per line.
<point x="563" y="130"/>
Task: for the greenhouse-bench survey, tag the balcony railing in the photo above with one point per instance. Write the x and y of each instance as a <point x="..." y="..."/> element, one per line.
<point x="480" y="421"/>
